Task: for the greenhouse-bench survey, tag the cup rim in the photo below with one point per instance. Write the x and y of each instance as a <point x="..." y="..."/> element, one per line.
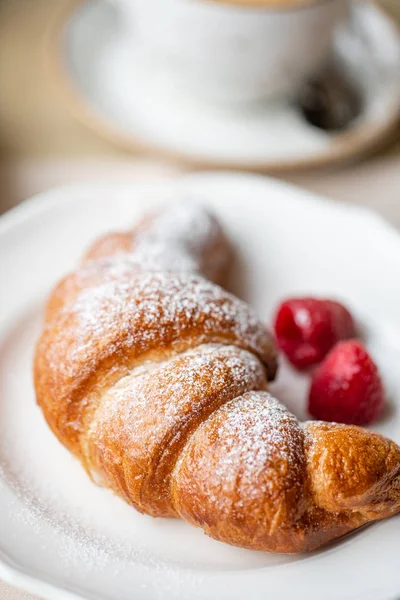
<point x="272" y="8"/>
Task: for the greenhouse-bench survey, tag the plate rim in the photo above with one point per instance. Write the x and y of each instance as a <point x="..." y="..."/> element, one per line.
<point x="15" y="576"/>
<point x="42" y="200"/>
<point x="10" y="572"/>
<point x="349" y="147"/>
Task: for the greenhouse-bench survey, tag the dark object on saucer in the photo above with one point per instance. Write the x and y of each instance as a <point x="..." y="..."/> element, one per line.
<point x="331" y="101"/>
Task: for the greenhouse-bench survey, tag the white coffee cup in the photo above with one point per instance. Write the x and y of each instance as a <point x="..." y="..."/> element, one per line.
<point x="229" y="52"/>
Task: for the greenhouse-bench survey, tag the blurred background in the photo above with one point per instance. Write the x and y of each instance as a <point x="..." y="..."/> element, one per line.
<point x="33" y="122"/>
<point x="42" y="144"/>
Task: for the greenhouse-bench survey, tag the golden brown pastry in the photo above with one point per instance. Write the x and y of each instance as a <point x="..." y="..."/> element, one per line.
<point x="155" y="378"/>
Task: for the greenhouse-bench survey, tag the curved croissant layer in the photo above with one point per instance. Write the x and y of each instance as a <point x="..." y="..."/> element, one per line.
<point x="155" y="379"/>
<point x="283" y="486"/>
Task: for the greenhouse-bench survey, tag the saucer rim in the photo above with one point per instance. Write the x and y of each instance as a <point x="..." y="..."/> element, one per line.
<point x="348" y="147"/>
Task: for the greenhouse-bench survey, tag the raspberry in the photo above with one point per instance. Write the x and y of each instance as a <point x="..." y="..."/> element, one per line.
<point x="346" y="387"/>
<point x="307" y="328"/>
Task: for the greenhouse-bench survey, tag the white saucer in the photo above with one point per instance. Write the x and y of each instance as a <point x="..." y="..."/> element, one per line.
<point x="64" y="538"/>
<point x="89" y="56"/>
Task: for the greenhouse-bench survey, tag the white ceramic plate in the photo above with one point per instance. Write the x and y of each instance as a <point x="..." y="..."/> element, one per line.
<point x="95" y="71"/>
<point x="60" y="535"/>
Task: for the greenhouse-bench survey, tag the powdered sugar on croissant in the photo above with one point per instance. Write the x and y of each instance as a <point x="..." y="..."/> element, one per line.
<point x="155" y="378"/>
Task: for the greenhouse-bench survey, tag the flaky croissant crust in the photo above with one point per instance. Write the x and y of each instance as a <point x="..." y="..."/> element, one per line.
<point x="155" y="378"/>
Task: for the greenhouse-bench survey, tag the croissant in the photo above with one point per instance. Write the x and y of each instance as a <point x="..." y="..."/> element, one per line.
<point x="155" y="378"/>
